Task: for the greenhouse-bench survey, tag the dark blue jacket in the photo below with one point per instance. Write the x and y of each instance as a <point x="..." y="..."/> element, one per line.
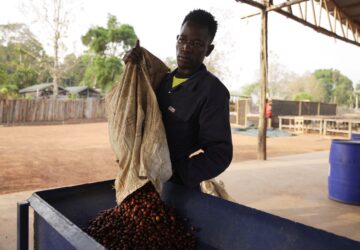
<point x="196" y="116"/>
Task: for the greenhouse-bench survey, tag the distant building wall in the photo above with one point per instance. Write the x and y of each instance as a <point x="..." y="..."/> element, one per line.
<point x="298" y="108"/>
<point x="328" y="109"/>
<point x="308" y="108"/>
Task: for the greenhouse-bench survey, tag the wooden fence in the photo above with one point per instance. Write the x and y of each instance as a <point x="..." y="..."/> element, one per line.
<point x="50" y="110"/>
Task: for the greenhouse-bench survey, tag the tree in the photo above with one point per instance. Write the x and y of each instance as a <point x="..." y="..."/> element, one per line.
<point x="357" y="86"/>
<point x="252" y="90"/>
<point x="106" y="48"/>
<point x="20" y="44"/>
<point x="23" y="77"/>
<point x="302" y="96"/>
<point x="54" y="17"/>
<point x="338" y="88"/>
<point x="22" y="59"/>
<point x="73" y="70"/>
<point x="279" y="78"/>
<point x="305" y="86"/>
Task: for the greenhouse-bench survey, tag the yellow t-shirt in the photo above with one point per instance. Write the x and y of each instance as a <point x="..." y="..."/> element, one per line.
<point x="177" y="81"/>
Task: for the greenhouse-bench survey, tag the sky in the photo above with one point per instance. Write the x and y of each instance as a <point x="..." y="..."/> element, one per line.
<point x="295" y="47"/>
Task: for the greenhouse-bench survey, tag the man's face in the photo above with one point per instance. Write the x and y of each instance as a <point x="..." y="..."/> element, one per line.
<point x="193" y="45"/>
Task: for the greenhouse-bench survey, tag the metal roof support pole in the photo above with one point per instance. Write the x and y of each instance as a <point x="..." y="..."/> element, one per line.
<point x="263" y="83"/>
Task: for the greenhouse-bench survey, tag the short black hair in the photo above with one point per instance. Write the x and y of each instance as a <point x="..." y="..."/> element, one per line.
<point x="203" y="17"/>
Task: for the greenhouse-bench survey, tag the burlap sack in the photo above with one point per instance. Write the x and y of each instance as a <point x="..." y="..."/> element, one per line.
<point x="136" y="131"/>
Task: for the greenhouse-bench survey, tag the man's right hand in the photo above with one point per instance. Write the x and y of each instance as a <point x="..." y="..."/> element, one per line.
<point x="133" y="55"/>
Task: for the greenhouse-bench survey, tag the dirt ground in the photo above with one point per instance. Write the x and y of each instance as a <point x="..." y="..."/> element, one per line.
<point x="37" y="157"/>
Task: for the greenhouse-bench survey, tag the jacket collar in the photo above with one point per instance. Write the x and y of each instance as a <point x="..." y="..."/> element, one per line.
<point x="193" y="80"/>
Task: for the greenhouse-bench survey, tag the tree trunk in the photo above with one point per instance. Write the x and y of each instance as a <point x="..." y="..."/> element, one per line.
<point x="57" y="28"/>
<point x="356" y="101"/>
<point x="56" y="65"/>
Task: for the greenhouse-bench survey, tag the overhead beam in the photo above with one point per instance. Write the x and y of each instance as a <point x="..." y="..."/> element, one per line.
<point x="329" y="6"/>
<point x="285" y="4"/>
<point x="273" y="7"/>
<point x="317" y="28"/>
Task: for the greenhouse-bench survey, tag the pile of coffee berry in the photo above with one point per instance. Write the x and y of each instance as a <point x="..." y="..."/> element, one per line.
<point x="141" y="221"/>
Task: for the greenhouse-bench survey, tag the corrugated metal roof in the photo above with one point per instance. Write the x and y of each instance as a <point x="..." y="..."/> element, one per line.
<point x="345" y="14"/>
<point x="78" y="89"/>
<point x="350" y="8"/>
<point x="37" y="87"/>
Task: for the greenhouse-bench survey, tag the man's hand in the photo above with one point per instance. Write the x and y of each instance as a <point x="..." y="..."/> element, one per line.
<point x="133" y="55"/>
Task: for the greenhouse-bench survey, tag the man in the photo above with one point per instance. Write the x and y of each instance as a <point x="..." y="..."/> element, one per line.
<point x="194" y="105"/>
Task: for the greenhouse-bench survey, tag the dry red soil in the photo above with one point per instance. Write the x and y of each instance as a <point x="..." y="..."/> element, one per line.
<point x="37" y="157"/>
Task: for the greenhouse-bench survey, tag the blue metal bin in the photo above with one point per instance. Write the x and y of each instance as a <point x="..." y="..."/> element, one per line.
<point x="61" y="214"/>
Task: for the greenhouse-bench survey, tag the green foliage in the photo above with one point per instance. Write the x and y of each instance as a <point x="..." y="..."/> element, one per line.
<point x="73" y="70"/>
<point x="307" y="83"/>
<point x="338" y="87"/>
<point x="23" y="77"/>
<point x="8" y="91"/>
<point x="107" y="69"/>
<point x="112" y="40"/>
<point x="96" y="38"/>
<point x="106" y="48"/>
<point x="23" y="61"/>
<point x="302" y="96"/>
<point x="357" y="86"/>
<point x="251" y="89"/>
<point x="72" y="97"/>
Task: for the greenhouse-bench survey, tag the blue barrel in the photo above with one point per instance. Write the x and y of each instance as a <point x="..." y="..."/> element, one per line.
<point x="344" y="176"/>
<point x="355" y="136"/>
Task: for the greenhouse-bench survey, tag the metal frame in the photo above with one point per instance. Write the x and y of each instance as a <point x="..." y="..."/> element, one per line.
<point x="60" y="214"/>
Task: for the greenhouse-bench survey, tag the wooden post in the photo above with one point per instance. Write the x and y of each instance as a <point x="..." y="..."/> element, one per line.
<point x="246" y="112"/>
<point x="263" y="84"/>
<point x="237" y="108"/>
